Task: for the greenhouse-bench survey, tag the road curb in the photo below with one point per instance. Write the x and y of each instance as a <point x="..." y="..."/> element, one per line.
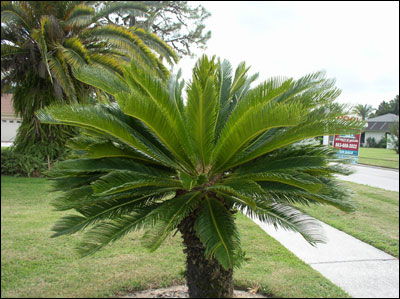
<point x="377" y="167"/>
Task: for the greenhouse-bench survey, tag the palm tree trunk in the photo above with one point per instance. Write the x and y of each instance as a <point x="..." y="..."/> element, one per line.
<point x="205" y="278"/>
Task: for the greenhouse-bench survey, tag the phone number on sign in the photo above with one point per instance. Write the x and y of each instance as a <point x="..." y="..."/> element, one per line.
<point x="346" y="145"/>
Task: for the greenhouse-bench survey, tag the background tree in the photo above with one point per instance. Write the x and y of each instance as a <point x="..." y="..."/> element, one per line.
<point x="394" y="131"/>
<point x="177" y="23"/>
<point x="388" y="107"/>
<point x="155" y="161"/>
<point x="42" y="42"/>
<point x="364" y="111"/>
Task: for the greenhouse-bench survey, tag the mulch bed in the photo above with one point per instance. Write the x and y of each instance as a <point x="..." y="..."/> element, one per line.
<point x="181" y="292"/>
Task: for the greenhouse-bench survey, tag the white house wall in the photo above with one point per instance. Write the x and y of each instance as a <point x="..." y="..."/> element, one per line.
<point x="9" y="129"/>
<point x="377" y="135"/>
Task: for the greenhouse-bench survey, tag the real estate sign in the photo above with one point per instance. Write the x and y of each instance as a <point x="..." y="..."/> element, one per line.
<point x="348" y="146"/>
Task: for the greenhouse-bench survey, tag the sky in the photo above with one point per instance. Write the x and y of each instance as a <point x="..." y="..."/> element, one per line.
<point x="356" y="43"/>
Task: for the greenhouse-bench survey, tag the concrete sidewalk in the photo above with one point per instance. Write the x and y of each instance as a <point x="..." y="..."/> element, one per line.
<point x="358" y="268"/>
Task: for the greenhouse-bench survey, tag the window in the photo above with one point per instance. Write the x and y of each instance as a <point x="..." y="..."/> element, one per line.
<point x="18" y="121"/>
<point x="3" y="120"/>
<point x="11" y="121"/>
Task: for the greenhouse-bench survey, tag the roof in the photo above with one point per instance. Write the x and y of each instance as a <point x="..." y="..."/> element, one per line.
<point x="378" y="126"/>
<point x="390" y="117"/>
<point x="7" y="105"/>
<point x="381" y="123"/>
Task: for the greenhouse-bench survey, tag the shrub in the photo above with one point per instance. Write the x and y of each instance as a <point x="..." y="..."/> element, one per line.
<point x="382" y="143"/>
<point x="371" y="142"/>
<point x="394" y="131"/>
<point x="16" y="164"/>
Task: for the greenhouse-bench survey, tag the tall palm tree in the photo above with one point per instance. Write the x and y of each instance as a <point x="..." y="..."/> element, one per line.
<point x="43" y="41"/>
<point x="156" y="161"/>
<point x="363" y="111"/>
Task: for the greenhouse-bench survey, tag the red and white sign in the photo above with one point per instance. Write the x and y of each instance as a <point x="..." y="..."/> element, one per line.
<point x="347" y="142"/>
<point x="348" y="145"/>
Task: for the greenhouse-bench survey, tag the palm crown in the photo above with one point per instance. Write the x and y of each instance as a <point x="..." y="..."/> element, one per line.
<point x="154" y="157"/>
<point x="51" y="37"/>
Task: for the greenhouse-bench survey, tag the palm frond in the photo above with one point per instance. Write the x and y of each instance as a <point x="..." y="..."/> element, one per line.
<point x="126" y="39"/>
<point x="239" y="131"/>
<point x="112" y="230"/>
<point x="216" y="229"/>
<point x="201" y="117"/>
<point x="41" y="43"/>
<point x="149" y="102"/>
<point x="319" y="122"/>
<point x="98" y="120"/>
<point x="12" y="50"/>
<point x="175" y="87"/>
<point x="103" y="210"/>
<point x="286" y="217"/>
<point x="122" y="180"/>
<point x="62" y="76"/>
<point x="77" y="49"/>
<point x="101" y="78"/>
<point x="83" y="166"/>
<point x="120" y="6"/>
<point x="154" y="42"/>
<point x="108" y="62"/>
<point x="109" y="149"/>
<point x="12" y="11"/>
<point x="169" y="215"/>
<point x="80" y="15"/>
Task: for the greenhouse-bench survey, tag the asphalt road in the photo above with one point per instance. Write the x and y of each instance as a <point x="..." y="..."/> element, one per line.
<point x="375" y="177"/>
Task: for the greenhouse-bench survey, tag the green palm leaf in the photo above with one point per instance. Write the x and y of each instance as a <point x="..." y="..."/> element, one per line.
<point x="98" y="120"/>
<point x="106" y="80"/>
<point x="112" y="230"/>
<point x="288" y="218"/>
<point x="201" y="119"/>
<point x="149" y="102"/>
<point x="170" y="214"/>
<point x="217" y="231"/>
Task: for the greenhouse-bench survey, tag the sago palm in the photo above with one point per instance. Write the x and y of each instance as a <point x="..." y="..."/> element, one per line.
<point x="161" y="162"/>
<point x="42" y="41"/>
<point x="50" y="37"/>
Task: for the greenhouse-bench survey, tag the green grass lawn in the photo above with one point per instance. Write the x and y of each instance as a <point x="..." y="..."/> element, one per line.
<point x="376" y="220"/>
<point x="378" y="157"/>
<point x="35" y="265"/>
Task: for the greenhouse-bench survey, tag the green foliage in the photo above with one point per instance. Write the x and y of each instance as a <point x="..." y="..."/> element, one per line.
<point x="391" y="106"/>
<point x="16" y="164"/>
<point x="38" y="142"/>
<point x="216" y="229"/>
<point x="371" y="142"/>
<point x="364" y="111"/>
<point x="394" y="131"/>
<point x="150" y="159"/>
<point x="52" y="38"/>
<point x="382" y="142"/>
<point x="43" y="42"/>
<point x="176" y="22"/>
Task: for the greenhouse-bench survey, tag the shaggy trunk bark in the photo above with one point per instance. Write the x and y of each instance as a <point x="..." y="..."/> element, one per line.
<point x="205" y="278"/>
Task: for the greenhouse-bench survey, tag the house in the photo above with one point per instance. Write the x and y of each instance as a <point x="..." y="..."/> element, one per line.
<point x="10" y="122"/>
<point x="379" y="127"/>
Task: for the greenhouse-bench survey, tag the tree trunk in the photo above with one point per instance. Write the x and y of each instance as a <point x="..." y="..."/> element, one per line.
<point x="205" y="278"/>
